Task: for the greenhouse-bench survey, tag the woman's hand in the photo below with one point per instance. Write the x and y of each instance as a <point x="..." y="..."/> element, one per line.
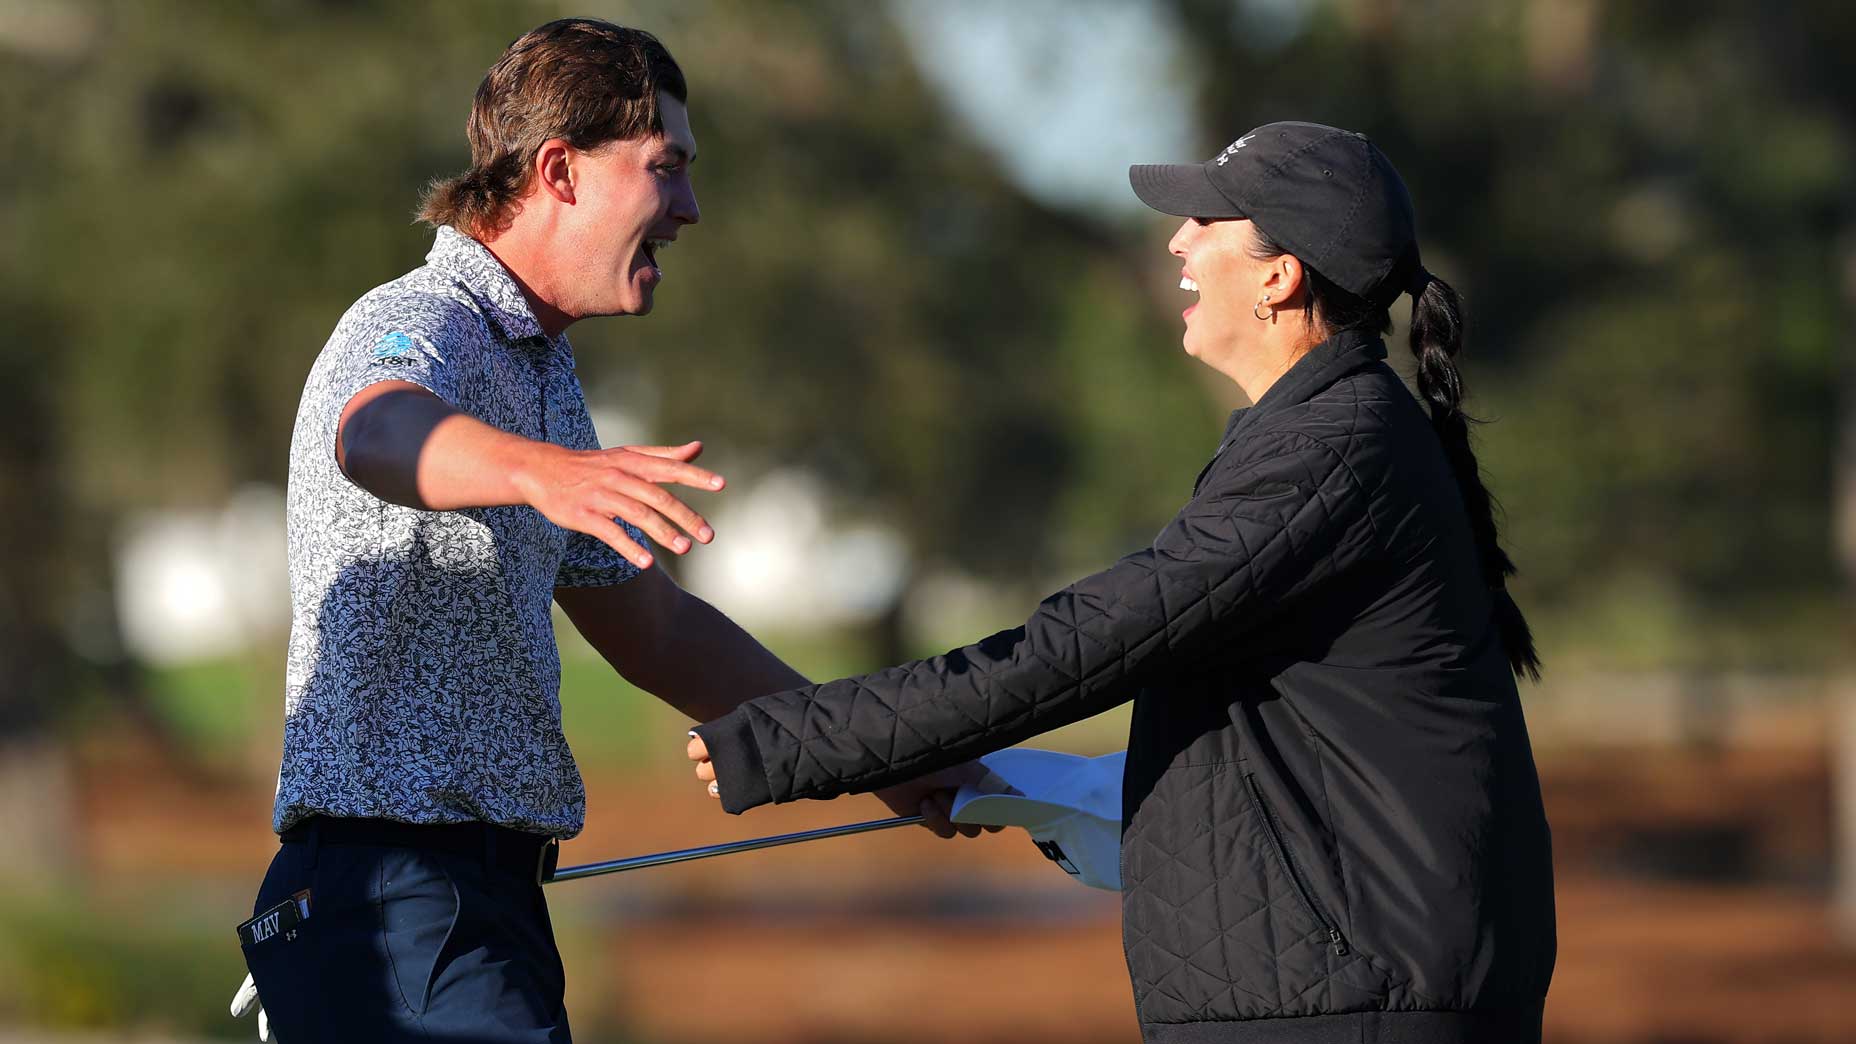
<point x="705" y="769"/>
<point x="930" y="796"/>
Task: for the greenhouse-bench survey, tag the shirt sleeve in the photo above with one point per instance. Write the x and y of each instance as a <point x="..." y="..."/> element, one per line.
<point x="416" y="338"/>
<point x="588" y="562"/>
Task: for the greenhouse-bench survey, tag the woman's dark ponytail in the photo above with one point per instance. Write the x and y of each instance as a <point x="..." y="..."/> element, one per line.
<point x="1436" y="338"/>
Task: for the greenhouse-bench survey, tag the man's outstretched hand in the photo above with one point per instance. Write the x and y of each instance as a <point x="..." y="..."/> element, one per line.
<point x="930" y="796"/>
<point x="584" y="490"/>
<point x="407" y="446"/>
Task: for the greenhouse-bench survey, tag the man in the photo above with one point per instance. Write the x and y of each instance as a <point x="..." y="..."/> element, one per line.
<point x="445" y="485"/>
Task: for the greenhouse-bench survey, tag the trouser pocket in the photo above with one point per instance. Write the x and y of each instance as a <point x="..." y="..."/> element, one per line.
<point x="419" y="907"/>
<point x="281" y="950"/>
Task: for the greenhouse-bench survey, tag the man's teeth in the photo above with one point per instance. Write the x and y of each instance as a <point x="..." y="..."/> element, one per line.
<point x="1188" y="284"/>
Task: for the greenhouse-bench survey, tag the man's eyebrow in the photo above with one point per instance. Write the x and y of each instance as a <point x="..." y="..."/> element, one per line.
<point x="679" y="152"/>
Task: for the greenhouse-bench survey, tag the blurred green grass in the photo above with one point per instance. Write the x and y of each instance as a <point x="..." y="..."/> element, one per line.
<point x="146" y="958"/>
<point x="157" y="958"/>
<point x="227" y="712"/>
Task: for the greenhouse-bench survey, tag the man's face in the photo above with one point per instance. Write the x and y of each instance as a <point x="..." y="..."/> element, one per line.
<point x="632" y="197"/>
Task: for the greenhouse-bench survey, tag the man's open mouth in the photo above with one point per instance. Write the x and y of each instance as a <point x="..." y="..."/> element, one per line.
<point x="650" y="250"/>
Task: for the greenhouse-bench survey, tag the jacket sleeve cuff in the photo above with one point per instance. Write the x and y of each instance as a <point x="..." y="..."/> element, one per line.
<point x="735" y="754"/>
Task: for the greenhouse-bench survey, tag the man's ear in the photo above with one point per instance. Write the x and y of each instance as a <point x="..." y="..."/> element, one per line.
<point x="554" y="169"/>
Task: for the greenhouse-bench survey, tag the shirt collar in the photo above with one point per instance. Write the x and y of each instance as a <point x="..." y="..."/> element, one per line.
<point x="488" y="281"/>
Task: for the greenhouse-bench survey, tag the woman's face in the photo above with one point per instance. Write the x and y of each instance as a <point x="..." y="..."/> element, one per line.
<point x="1229" y="285"/>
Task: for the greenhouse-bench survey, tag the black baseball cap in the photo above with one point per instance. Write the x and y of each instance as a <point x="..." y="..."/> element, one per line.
<point x="1328" y="195"/>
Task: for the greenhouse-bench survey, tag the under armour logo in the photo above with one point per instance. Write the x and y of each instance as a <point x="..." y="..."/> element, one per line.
<point x="1054" y="852"/>
<point x="1231" y="149"/>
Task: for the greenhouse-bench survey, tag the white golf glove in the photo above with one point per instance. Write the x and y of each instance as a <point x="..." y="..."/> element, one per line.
<point x="246" y="999"/>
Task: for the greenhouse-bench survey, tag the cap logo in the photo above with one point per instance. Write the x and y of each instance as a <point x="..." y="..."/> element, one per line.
<point x="1054" y="852"/>
<point x="1231" y="149"/>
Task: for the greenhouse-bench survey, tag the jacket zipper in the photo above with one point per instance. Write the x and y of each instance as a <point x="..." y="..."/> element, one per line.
<point x="1335" y="939"/>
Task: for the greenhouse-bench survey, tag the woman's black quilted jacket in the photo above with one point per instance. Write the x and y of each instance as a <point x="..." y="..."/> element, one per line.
<point x="1332" y="826"/>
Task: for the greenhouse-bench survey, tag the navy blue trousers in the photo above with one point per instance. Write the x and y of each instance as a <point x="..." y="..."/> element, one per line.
<point x="408" y="944"/>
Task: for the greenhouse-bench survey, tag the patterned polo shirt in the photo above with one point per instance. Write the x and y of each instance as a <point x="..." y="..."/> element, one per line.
<point x="423" y="682"/>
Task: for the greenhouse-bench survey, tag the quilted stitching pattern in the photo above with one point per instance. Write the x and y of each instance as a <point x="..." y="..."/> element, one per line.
<point x="1306" y="498"/>
<point x="1199" y="847"/>
<point x="1243" y="549"/>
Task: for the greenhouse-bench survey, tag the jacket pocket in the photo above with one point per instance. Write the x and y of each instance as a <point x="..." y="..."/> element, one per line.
<point x="1215" y="925"/>
<point x="1299" y="883"/>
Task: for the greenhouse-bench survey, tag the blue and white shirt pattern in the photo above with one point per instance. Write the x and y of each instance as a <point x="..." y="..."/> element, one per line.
<point x="423" y="681"/>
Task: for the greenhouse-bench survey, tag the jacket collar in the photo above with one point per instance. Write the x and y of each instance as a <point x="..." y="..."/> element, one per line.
<point x="1324" y="364"/>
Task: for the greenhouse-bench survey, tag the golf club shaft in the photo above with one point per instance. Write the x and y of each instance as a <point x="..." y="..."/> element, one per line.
<point x="574" y="873"/>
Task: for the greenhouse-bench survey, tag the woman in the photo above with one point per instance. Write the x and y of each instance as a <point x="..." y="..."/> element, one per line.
<point x="1332" y="826"/>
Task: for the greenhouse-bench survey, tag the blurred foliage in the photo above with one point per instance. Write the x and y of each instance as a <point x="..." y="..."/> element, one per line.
<point x="158" y="957"/>
<point x="1643" y="202"/>
<point x="71" y="962"/>
<point x="1646" y="203"/>
<point x="1647" y="206"/>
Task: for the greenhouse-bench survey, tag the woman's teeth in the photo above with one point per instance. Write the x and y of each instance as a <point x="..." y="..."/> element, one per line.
<point x="1188" y="284"/>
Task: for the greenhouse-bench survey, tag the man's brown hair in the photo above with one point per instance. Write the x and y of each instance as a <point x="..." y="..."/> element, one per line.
<point x="582" y="80"/>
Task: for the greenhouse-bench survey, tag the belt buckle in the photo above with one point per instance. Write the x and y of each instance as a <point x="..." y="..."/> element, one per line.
<point x="546" y="859"/>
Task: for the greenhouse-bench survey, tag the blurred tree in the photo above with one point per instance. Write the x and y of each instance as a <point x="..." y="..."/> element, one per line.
<point x="167" y="170"/>
<point x="868" y="297"/>
<point x="1642" y="202"/>
<point x="1647" y="207"/>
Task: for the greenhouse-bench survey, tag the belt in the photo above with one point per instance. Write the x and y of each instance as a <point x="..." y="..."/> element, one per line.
<point x="531" y="857"/>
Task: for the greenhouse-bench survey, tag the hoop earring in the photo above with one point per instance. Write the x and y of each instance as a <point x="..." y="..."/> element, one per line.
<point x="1258" y="307"/>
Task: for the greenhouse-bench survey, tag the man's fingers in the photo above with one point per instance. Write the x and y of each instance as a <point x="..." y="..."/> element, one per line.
<point x="614" y="536"/>
<point x="655" y="526"/>
<point x="657" y="499"/>
<point x="705" y="771"/>
<point x="687" y="452"/>
<point x="697" y="750"/>
<point x="668" y="469"/>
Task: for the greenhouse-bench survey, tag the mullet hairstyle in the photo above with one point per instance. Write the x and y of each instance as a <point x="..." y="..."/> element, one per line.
<point x="582" y="80"/>
<point x="1436" y="339"/>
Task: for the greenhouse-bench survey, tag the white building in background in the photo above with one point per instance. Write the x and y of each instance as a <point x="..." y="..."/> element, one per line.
<point x="198" y="584"/>
<point x="778" y="562"/>
<point x="201" y="584"/>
